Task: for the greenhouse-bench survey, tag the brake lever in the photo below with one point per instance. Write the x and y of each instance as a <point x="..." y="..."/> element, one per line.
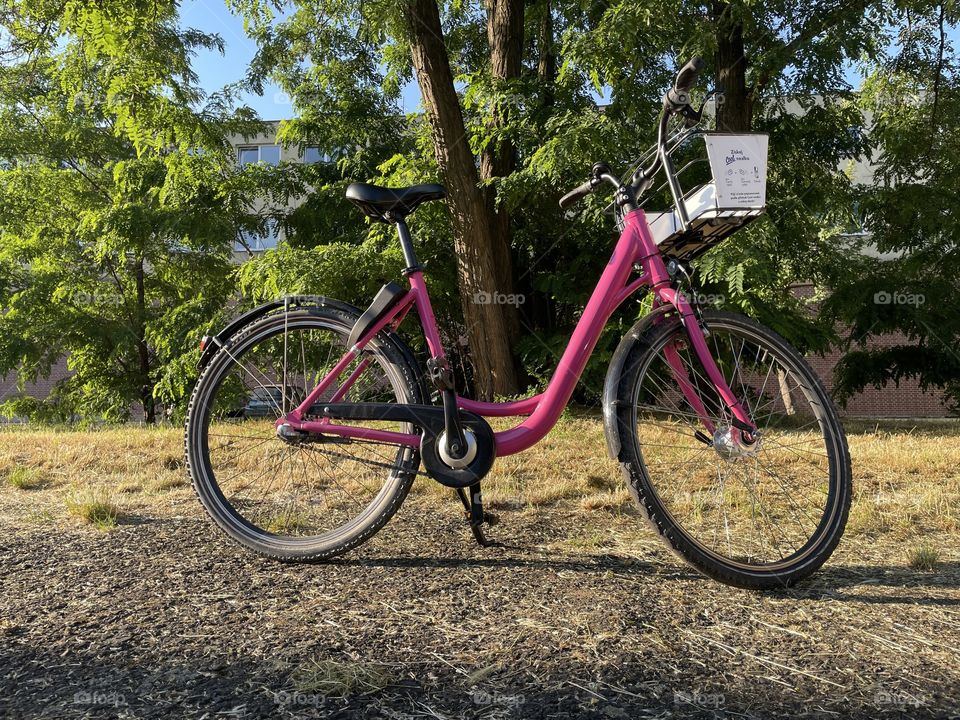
<point x="691" y="117"/>
<point x="706" y="98"/>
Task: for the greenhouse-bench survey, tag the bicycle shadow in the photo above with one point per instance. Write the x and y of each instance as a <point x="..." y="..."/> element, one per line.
<point x="846" y="583"/>
<point x="839" y="583"/>
<point x="597" y="563"/>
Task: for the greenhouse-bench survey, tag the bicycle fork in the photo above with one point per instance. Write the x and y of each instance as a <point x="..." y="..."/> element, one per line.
<point x="743" y="429"/>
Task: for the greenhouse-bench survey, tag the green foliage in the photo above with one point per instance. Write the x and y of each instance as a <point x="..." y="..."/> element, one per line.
<point x="116" y="217"/>
<point x="908" y="292"/>
<point x="101" y="118"/>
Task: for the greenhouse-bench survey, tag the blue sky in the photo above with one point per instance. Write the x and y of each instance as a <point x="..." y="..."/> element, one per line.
<point x="216" y="71"/>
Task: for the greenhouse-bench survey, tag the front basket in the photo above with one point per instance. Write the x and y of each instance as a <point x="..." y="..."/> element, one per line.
<point x="735" y="196"/>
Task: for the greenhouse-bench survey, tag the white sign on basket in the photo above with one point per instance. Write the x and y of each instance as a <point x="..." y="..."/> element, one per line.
<point x="739" y="164"/>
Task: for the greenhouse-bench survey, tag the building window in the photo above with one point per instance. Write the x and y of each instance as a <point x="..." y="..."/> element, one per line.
<point x="266" y="154"/>
<point x="258" y="242"/>
<point x="314" y="155"/>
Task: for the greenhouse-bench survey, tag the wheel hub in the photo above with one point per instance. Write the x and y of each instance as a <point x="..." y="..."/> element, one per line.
<point x="729" y="444"/>
<point x="291" y="435"/>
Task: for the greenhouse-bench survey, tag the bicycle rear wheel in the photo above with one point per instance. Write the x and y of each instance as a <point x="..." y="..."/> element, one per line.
<point x="757" y="516"/>
<point x="304" y="498"/>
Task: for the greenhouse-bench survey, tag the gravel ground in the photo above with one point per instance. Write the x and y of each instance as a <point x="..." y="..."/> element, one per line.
<point x="163" y="618"/>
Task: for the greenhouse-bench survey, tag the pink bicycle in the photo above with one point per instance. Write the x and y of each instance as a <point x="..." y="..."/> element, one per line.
<point x="311" y="419"/>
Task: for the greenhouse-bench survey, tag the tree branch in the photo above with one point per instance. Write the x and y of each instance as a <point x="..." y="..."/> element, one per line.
<point x="940" y="60"/>
<point x="820" y="21"/>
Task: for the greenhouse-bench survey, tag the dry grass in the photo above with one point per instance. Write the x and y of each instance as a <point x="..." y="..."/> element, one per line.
<point x="907" y="480"/>
<point x="339" y="678"/>
<point x="580" y="611"/>
<point x="143" y="465"/>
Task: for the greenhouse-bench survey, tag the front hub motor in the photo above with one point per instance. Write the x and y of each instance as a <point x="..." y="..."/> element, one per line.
<point x="730" y="445"/>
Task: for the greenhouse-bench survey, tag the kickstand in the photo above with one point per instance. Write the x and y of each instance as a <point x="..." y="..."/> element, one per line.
<point x="473" y="505"/>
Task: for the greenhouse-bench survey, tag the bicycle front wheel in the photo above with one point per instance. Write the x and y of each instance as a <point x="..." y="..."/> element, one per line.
<point x="759" y="515"/>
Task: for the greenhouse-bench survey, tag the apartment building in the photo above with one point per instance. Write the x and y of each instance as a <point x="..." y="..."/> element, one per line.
<point x="265" y="149"/>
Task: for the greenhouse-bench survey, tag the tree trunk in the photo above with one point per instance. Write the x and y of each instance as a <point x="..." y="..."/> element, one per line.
<point x="143" y="352"/>
<point x="735" y="112"/>
<point x="547" y="60"/>
<point x="475" y="242"/>
<point x="498" y="160"/>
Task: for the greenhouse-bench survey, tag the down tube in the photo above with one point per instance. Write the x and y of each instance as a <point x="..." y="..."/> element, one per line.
<point x="602" y="303"/>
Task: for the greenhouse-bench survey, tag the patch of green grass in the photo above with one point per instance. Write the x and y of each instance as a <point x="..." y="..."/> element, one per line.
<point x="167" y="483"/>
<point x="25" y="478"/>
<point x="924" y="557"/>
<point x="286" y="523"/>
<point x="94" y="508"/>
<point x="340" y="678"/>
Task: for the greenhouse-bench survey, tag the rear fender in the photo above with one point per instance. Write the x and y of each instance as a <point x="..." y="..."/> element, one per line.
<point x="213" y="343"/>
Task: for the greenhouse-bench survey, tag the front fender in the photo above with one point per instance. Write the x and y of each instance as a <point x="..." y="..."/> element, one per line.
<point x="611" y="386"/>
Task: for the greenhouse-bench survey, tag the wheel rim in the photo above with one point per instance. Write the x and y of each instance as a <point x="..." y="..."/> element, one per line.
<point x="313" y="490"/>
<point x="761" y="507"/>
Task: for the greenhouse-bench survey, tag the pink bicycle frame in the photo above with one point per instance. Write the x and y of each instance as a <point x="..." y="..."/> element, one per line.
<point x="636" y="249"/>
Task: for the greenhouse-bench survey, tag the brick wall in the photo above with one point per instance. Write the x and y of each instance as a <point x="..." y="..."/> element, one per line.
<point x="904" y="401"/>
<point x="39" y="389"/>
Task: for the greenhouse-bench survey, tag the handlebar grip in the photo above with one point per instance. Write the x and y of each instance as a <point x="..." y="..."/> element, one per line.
<point x="679" y="95"/>
<point x="577" y="194"/>
<point x="687" y="77"/>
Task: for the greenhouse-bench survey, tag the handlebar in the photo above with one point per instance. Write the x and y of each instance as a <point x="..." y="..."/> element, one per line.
<point x="676" y="101"/>
<point x="577" y="194"/>
<point x="679" y="95"/>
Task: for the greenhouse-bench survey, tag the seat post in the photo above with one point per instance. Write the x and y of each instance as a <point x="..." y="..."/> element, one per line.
<point x="406" y="244"/>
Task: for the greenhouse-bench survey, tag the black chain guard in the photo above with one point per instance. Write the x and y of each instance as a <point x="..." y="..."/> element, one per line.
<point x="429" y="419"/>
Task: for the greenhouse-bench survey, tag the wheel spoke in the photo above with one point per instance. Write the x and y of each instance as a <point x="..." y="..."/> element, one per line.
<point x="305" y="490"/>
<point x="757" y="505"/>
